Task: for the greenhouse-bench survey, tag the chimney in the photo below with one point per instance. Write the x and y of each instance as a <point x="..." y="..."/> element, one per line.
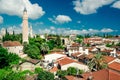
<point x="114" y="52"/>
<point x="86" y="51"/>
<point x="80" y="49"/>
<point x="90" y="78"/>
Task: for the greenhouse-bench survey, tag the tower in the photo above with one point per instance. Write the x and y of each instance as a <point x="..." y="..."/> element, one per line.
<point x="31" y="33"/>
<point x="3" y="31"/>
<point x="25" y="26"/>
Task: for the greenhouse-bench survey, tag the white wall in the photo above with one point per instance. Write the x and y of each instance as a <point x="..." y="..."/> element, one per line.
<point x="15" y="49"/>
<point x="27" y="66"/>
<point x="76" y="65"/>
<point x="55" y="56"/>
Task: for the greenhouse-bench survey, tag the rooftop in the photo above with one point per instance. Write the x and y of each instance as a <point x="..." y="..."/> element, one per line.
<point x="65" y="60"/>
<point x="114" y="66"/>
<point x="54" y="69"/>
<point x="11" y="43"/>
<point x="108" y="59"/>
<point x="104" y="74"/>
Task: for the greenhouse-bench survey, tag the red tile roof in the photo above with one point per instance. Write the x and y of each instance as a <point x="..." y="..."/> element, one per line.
<point x="114" y="75"/>
<point x="73" y="78"/>
<point x="90" y="56"/>
<point x="65" y="60"/>
<point x="108" y="59"/>
<point x="75" y="54"/>
<point x="11" y="43"/>
<point x="89" y="40"/>
<point x="118" y="52"/>
<point x="114" y="66"/>
<point x="31" y="77"/>
<point x="75" y="45"/>
<point x="107" y="51"/>
<point x="34" y="61"/>
<point x="91" y="48"/>
<point x="54" y="69"/>
<point x="57" y="50"/>
<point x="98" y="75"/>
<point x="104" y="74"/>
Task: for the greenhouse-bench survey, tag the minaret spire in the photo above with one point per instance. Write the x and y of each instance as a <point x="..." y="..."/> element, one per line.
<point x="25" y="26"/>
<point x="25" y="10"/>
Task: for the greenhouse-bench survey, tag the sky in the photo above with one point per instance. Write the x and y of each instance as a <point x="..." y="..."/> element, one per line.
<point x="62" y="16"/>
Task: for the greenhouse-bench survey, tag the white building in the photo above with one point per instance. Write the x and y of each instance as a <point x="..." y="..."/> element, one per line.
<point x="42" y="36"/>
<point x="72" y="37"/>
<point x="14" y="47"/>
<point x="66" y="62"/>
<point x="65" y="41"/>
<point x="76" y="48"/>
<point x="29" y="65"/>
<point x="53" y="56"/>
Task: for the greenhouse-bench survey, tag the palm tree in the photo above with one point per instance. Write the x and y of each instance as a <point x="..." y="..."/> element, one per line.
<point x="97" y="62"/>
<point x="44" y="48"/>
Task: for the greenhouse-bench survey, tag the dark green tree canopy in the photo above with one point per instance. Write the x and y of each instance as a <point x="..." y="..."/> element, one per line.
<point x="14" y="37"/>
<point x="8" y="59"/>
<point x="32" y="51"/>
<point x="44" y="75"/>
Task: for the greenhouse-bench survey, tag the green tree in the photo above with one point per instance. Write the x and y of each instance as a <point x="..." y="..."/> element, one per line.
<point x="14" y="76"/>
<point x="118" y="44"/>
<point x="38" y="70"/>
<point x="3" y="58"/>
<point x="44" y="48"/>
<point x="87" y="36"/>
<point x="8" y="59"/>
<point x="51" y="44"/>
<point x="58" y="41"/>
<point x="78" y="40"/>
<point x="13" y="59"/>
<point x="97" y="62"/>
<point x="108" y="45"/>
<point x="32" y="51"/>
<point x="14" y="37"/>
<point x="61" y="73"/>
<point x="72" y="71"/>
<point x="8" y="74"/>
<point x="44" y="75"/>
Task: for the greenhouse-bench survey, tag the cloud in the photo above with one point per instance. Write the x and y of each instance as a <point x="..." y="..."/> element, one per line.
<point x="37" y="24"/>
<point x="60" y="19"/>
<point x="66" y="31"/>
<point x="93" y="31"/>
<point x="78" y="22"/>
<point x="106" y="30"/>
<point x="16" y="29"/>
<point x="1" y="19"/>
<point x="89" y="6"/>
<point x="15" y="7"/>
<point x="44" y="31"/>
<point x="116" y="5"/>
<point x="52" y="28"/>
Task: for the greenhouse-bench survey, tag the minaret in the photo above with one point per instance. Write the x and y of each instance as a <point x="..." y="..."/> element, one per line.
<point x="3" y="31"/>
<point x="31" y="33"/>
<point x="25" y="27"/>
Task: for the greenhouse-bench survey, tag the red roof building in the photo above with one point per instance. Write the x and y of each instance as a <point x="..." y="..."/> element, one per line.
<point x="114" y="66"/>
<point x="11" y="43"/>
<point x="108" y="59"/>
<point x="104" y="74"/>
